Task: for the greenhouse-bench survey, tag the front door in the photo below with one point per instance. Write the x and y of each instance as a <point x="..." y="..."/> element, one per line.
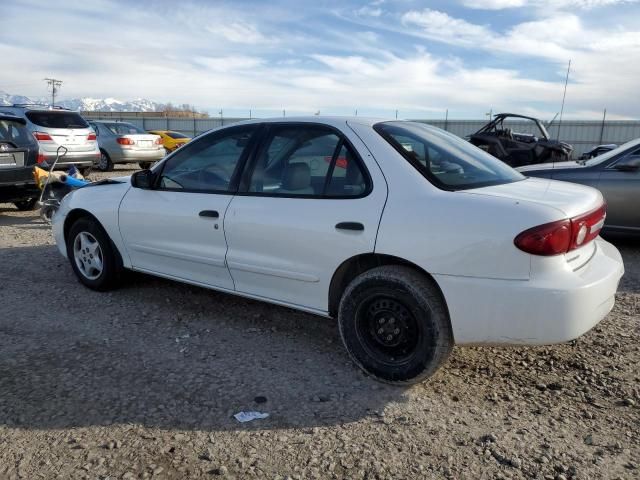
<point x="309" y="203"/>
<point x="621" y="189"/>
<point x="176" y="228"/>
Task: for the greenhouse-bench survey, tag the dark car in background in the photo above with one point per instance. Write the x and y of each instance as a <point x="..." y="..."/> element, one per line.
<point x="518" y="149"/>
<point x="18" y="155"/>
<point x="615" y="173"/>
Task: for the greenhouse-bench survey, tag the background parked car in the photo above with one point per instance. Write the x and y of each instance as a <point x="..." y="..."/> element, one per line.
<point x="518" y="149"/>
<point x="171" y="140"/>
<point x="615" y="173"/>
<point x="599" y="150"/>
<point x="18" y="155"/>
<point x="122" y="142"/>
<point x="54" y="127"/>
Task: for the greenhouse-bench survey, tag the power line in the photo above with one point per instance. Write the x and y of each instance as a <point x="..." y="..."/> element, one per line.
<point x="55" y="85"/>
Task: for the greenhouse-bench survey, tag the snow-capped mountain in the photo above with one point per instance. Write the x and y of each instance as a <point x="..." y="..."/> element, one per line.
<point x="88" y="104"/>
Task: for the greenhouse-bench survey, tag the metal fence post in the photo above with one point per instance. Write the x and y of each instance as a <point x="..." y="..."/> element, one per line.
<point x="604" y="116"/>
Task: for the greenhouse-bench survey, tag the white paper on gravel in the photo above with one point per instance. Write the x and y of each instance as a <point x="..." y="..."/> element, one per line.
<point x="243" y="417"/>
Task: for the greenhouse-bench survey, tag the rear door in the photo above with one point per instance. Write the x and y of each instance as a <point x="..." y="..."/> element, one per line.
<point x="175" y="229"/>
<point x="308" y="202"/>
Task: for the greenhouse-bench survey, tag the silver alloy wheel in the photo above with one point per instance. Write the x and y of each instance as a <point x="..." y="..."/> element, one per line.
<point x="88" y="255"/>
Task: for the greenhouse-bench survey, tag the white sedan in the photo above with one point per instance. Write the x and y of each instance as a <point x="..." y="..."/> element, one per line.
<point x="413" y="238"/>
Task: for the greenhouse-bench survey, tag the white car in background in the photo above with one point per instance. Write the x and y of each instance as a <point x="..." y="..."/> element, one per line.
<point x="413" y="238"/>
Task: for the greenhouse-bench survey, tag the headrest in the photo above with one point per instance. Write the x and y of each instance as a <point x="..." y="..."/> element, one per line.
<point x="297" y="176"/>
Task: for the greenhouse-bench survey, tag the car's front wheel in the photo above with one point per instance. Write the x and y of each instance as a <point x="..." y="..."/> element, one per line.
<point x="394" y="324"/>
<point x="145" y="165"/>
<point x="92" y="255"/>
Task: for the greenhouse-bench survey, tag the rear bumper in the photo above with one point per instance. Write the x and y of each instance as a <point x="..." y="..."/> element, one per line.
<point x="550" y="310"/>
<point x="126" y="156"/>
<point x="78" y="159"/>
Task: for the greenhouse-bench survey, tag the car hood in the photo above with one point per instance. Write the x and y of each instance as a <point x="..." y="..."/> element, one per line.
<point x="551" y="166"/>
<point x="570" y="198"/>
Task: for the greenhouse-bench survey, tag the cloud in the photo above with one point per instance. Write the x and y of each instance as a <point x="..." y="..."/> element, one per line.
<point x="546" y="5"/>
<point x="442" y="27"/>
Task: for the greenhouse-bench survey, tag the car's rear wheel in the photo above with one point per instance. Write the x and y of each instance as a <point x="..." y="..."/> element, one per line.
<point x="92" y="255"/>
<point x="26" y="205"/>
<point x="394" y="324"/>
<point x="85" y="171"/>
<point x="145" y="165"/>
<point x="105" y="164"/>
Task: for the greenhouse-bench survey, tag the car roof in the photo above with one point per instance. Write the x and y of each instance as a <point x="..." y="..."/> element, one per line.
<point x="10" y="117"/>
<point x="335" y="121"/>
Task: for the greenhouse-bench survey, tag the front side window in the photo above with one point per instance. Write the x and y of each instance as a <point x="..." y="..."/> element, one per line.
<point x="449" y="162"/>
<point x="207" y="164"/>
<point x="307" y="160"/>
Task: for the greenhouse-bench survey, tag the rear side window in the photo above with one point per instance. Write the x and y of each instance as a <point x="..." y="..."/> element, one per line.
<point x="55" y="119"/>
<point x="447" y="161"/>
<point x="309" y="161"/>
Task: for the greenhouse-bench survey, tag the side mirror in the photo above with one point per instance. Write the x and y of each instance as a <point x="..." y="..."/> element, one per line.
<point x="629" y="164"/>
<point x="144" y="179"/>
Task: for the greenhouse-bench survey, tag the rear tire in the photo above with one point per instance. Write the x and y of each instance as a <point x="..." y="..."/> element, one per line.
<point x="105" y="164"/>
<point x="85" y="171"/>
<point x="394" y="323"/>
<point x="92" y="255"/>
<point x="26" y="205"/>
<point x="145" y="165"/>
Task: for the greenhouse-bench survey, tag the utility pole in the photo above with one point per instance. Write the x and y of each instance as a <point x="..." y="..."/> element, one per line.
<point x="446" y="119"/>
<point x="396" y="114"/>
<point x="54" y="84"/>
<point x="604" y="117"/>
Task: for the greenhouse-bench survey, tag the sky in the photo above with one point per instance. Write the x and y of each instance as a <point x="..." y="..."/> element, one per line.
<point x="420" y="58"/>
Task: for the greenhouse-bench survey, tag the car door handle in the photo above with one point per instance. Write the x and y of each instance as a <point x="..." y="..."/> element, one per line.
<point x="209" y="213"/>
<point x="357" y="226"/>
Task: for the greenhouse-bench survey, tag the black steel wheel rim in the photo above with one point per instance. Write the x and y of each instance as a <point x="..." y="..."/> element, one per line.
<point x="387" y="329"/>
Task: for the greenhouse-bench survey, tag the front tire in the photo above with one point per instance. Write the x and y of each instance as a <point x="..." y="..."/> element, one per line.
<point x="92" y="255"/>
<point x="395" y="325"/>
<point x="145" y="165"/>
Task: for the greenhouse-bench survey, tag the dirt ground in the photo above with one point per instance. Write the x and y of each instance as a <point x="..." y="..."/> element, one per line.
<point x="143" y="382"/>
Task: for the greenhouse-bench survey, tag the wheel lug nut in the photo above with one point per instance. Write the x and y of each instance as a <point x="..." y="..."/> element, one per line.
<point x="389" y="338"/>
<point x="396" y="331"/>
<point x="380" y="331"/>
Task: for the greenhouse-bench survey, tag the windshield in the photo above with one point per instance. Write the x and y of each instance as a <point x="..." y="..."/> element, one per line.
<point x="612" y="153"/>
<point x="124" y="128"/>
<point x="449" y="162"/>
<point x="56" y="119"/>
<point x="176" y="135"/>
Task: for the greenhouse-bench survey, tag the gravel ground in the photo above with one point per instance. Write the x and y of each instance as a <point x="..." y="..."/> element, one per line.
<point x="143" y="382"/>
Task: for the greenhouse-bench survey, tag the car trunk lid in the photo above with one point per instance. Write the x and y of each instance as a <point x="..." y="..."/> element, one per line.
<point x="144" y="141"/>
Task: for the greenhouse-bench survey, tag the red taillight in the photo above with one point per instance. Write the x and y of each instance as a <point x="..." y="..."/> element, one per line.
<point x="125" y="141"/>
<point x="341" y="162"/>
<point x="92" y="136"/>
<point x="40" y="158"/>
<point x="42" y="137"/>
<point x="159" y="141"/>
<point x="560" y="237"/>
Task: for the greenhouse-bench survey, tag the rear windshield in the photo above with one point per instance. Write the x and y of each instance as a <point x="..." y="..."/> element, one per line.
<point x="176" y="135"/>
<point x="124" y="129"/>
<point x="447" y="161"/>
<point x="55" y="119"/>
<point x="14" y="132"/>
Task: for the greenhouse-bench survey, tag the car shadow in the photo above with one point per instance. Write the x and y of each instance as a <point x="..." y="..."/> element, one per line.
<point x="164" y="354"/>
<point x="12" y="217"/>
<point x="629" y="247"/>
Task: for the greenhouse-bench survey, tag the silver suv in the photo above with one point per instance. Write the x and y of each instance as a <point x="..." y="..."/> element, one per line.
<point x="53" y="127"/>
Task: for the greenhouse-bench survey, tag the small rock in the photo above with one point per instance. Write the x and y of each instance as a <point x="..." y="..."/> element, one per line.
<point x="221" y="470"/>
<point x="260" y="399"/>
<point x="206" y="455"/>
<point x="629" y="402"/>
<point x="158" y="470"/>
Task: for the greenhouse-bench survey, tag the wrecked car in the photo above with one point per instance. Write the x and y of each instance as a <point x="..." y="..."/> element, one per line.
<point x="519" y="149"/>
